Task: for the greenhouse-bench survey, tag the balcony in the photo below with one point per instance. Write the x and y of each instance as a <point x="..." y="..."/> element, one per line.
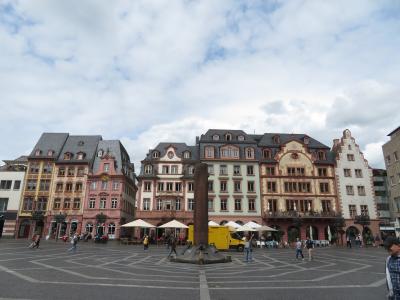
<point x="312" y="215"/>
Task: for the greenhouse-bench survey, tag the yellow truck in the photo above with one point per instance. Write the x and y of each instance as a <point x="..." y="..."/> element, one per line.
<point x="221" y="238"/>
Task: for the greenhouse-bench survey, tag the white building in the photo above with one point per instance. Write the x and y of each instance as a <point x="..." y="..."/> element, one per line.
<point x="12" y="176"/>
<point x="355" y="187"/>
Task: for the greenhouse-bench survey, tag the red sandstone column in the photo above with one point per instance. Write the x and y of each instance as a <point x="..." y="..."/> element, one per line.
<point x="201" y="205"/>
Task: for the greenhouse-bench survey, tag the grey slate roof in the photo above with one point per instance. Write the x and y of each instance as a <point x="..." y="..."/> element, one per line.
<point x="208" y="136"/>
<point x="180" y="149"/>
<point x="75" y="144"/>
<point x="268" y="141"/>
<point x="49" y="141"/>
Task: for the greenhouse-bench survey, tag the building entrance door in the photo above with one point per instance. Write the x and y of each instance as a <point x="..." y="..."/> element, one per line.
<point x="1" y="227"/>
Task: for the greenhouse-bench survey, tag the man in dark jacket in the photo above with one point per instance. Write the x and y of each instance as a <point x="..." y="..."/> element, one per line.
<point x="392" y="245"/>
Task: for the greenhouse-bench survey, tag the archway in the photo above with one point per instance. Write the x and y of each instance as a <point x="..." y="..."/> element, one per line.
<point x="293" y="233"/>
<point x="312" y="232"/>
<point x="352" y="232"/>
<point x="24" y="229"/>
<point x="334" y="235"/>
<point x="367" y="236"/>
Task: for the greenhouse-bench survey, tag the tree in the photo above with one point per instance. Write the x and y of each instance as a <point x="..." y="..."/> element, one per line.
<point x="338" y="224"/>
<point x="363" y="220"/>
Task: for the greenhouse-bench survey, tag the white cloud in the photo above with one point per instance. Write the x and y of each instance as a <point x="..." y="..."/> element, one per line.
<point x="151" y="71"/>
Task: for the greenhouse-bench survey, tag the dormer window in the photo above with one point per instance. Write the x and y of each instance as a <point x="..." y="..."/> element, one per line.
<point x="228" y="137"/>
<point x="80" y="156"/>
<point x="240" y="138"/>
<point x="186" y="154"/>
<point x="67" y="156"/>
<point x="215" y="137"/>
<point x="148" y="169"/>
<point x="106" y="167"/>
<point x="321" y="155"/>
<point x="191" y="170"/>
<point x="306" y="140"/>
<point x="81" y="143"/>
<point x="229" y="152"/>
<point x="276" y="139"/>
<point x="267" y="154"/>
<point x="249" y="153"/>
<point x="156" y="154"/>
<point x="38" y="152"/>
<point x="100" y="153"/>
<point x="50" y="153"/>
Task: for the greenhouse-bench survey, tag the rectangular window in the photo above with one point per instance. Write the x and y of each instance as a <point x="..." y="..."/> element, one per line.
<point x="211" y="186"/>
<point x="352" y="211"/>
<point x="92" y="202"/>
<point x="190" y="204"/>
<point x="250" y="170"/>
<point x="382" y="206"/>
<point x="3" y="204"/>
<point x="209" y="152"/>
<point x="237" y="186"/>
<point x="68" y="187"/>
<point x="17" y="184"/>
<point x="103" y="202"/>
<point x="326" y="205"/>
<point x="174" y="169"/>
<point x="349" y="190"/>
<point x="358" y="173"/>
<point x="223" y="170"/>
<point x="271" y="187"/>
<point x="57" y="203"/>
<point x="165" y="169"/>
<point x="67" y="203"/>
<point x="236" y="170"/>
<point x="322" y="172"/>
<point x="114" y="202"/>
<point x="324" y="187"/>
<point x="396" y="157"/>
<point x="104" y="185"/>
<point x="44" y="185"/>
<point x="178" y="186"/>
<point x="160" y="186"/>
<point x="361" y="190"/>
<point x="147" y="186"/>
<point x="252" y="204"/>
<point x="250" y="186"/>
<point x="61" y="172"/>
<point x="81" y="172"/>
<point x="47" y="168"/>
<point x="79" y="187"/>
<point x="28" y="204"/>
<point x="34" y="168"/>
<point x="224" y="204"/>
<point x="350" y="157"/>
<point x="347" y="172"/>
<point x="31" y="184"/>
<point x="223" y="186"/>
<point x="5" y="184"/>
<point x="364" y="210"/>
<point x="272" y="205"/>
<point x="178" y="204"/>
<point x="146" y="204"/>
<point x="71" y="171"/>
<point x="93" y="185"/>
<point x="270" y="171"/>
<point x="115" y="185"/>
<point x="77" y="203"/>
<point x="190" y="187"/>
<point x="210" y="169"/>
<point x="210" y="204"/>
<point x="170" y="186"/>
<point x="159" y="204"/>
<point x="238" y="204"/>
<point x="106" y="167"/>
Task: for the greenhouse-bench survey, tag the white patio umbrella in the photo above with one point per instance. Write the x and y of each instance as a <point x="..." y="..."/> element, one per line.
<point x="265" y="228"/>
<point x="138" y="223"/>
<point x="232" y="224"/>
<point x="212" y="223"/>
<point x="174" y="224"/>
<point x="246" y="228"/>
<point x="252" y="224"/>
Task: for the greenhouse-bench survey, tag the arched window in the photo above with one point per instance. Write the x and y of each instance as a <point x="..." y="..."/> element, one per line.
<point x="306" y="140"/>
<point x="209" y="152"/>
<point x="100" y="153"/>
<point x="67" y="156"/>
<point x="80" y="156"/>
<point x="38" y="152"/>
<point x="148" y="169"/>
<point x="89" y="227"/>
<point x="276" y="139"/>
<point x="111" y="228"/>
<point x="191" y="170"/>
<point x="50" y="153"/>
<point x="186" y="154"/>
<point x="228" y="137"/>
<point x="267" y="154"/>
<point x="240" y="138"/>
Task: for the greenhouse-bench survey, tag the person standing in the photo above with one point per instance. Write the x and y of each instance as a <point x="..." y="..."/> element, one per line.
<point x="146" y="243"/>
<point x="309" y="246"/>
<point x="172" y="246"/>
<point x="248" y="248"/>
<point x="348" y="242"/>
<point x="299" y="251"/>
<point x="37" y="241"/>
<point x="74" y="242"/>
<point x="392" y="245"/>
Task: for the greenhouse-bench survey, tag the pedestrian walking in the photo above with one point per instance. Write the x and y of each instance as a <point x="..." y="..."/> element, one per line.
<point x="172" y="246"/>
<point x="392" y="245"/>
<point x="248" y="248"/>
<point x="310" y="246"/>
<point x="74" y="243"/>
<point x="35" y="241"/>
<point x="348" y="242"/>
<point x="299" y="251"/>
<point x="146" y="242"/>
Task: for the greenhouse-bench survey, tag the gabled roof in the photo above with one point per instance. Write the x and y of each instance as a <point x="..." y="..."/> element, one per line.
<point x="49" y="141"/>
<point x="180" y="148"/>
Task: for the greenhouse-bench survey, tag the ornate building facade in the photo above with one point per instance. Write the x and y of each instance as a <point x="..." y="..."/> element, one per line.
<point x="298" y="187"/>
<point x="111" y="191"/>
<point x="355" y="189"/>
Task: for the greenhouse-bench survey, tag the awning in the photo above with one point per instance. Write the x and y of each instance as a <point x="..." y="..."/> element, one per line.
<point x="386" y="228"/>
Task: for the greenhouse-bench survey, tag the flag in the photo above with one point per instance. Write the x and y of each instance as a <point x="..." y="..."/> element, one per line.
<point x="329" y="234"/>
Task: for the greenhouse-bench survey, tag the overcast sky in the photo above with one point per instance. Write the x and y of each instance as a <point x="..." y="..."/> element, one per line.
<point x="153" y="71"/>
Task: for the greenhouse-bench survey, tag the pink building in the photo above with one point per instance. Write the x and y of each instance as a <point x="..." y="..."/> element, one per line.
<point x="110" y="197"/>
